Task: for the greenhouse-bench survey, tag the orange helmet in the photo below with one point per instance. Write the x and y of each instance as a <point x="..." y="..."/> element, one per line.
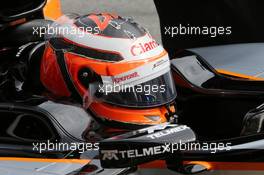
<point x="112" y="65"/>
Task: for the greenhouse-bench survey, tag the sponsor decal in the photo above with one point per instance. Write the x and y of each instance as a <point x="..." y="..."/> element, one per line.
<point x="167" y="132"/>
<point x="170" y="148"/>
<point x="102" y="22"/>
<point x="134" y="153"/>
<point x="126" y="77"/>
<point x="159" y="63"/>
<point x="148" y="71"/>
<point x="141" y="48"/>
<point x="110" y="154"/>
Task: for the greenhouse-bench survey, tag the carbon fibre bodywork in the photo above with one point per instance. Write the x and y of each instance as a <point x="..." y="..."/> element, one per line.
<point x="218" y="99"/>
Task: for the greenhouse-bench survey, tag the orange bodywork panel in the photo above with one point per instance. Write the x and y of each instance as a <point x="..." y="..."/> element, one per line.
<point x="234" y="74"/>
<point x="22" y="159"/>
<point x="52" y="10"/>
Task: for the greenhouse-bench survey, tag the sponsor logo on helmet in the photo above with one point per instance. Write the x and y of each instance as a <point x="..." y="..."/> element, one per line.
<point x="102" y="21"/>
<point x="159" y="63"/>
<point x="126" y="77"/>
<point x="141" y="48"/>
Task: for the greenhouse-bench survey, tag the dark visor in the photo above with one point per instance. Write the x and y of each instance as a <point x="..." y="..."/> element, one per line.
<point x="156" y="92"/>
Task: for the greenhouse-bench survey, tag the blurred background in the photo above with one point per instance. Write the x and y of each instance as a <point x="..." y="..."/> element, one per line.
<point x="143" y="11"/>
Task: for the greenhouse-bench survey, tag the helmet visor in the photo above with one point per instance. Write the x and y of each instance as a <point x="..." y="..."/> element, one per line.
<point x="155" y="92"/>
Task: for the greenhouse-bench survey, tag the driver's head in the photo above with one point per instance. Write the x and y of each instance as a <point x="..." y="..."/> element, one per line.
<point x="113" y="62"/>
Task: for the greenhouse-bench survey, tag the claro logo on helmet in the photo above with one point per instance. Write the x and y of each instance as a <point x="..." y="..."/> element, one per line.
<point x="126" y="77"/>
<point x="141" y="48"/>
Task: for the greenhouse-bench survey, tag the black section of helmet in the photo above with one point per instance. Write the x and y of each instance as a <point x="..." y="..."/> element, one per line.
<point x="117" y="27"/>
<point x="60" y="44"/>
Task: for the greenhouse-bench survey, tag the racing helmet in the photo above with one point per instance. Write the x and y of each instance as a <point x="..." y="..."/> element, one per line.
<point x="112" y="65"/>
